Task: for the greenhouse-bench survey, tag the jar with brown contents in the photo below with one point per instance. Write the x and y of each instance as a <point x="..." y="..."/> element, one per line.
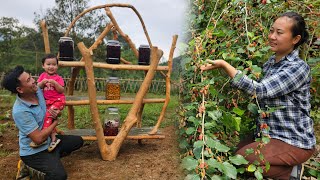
<point x="113" y="88"/>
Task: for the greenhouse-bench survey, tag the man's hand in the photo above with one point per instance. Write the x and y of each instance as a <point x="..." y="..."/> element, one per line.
<point x="54" y="112"/>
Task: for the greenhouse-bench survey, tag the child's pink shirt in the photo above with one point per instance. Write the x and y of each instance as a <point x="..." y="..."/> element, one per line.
<point x="49" y="91"/>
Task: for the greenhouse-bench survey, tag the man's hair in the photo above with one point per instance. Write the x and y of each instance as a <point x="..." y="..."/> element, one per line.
<point x="49" y="56"/>
<point x="11" y="79"/>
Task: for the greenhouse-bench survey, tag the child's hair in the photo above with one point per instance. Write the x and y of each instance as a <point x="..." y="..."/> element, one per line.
<point x="11" y="79"/>
<point x="298" y="28"/>
<point x="49" y="56"/>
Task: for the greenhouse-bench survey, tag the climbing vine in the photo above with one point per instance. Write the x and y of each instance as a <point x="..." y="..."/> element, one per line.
<point x="214" y="116"/>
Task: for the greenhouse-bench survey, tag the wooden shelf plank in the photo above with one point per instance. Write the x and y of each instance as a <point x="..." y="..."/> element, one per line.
<point x="134" y="134"/>
<point x="78" y="100"/>
<point x="111" y="66"/>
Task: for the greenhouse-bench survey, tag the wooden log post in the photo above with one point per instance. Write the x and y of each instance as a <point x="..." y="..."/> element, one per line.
<point x="93" y="101"/>
<point x="131" y="118"/>
<point x="168" y="86"/>
<point x="45" y="36"/>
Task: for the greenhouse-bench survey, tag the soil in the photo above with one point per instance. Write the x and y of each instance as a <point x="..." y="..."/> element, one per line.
<point x="153" y="160"/>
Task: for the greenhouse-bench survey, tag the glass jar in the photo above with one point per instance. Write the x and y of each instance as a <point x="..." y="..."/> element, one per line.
<point x="144" y="55"/>
<point x="111" y="122"/>
<point x="113" y="52"/>
<point x="66" y="48"/>
<point x="113" y="88"/>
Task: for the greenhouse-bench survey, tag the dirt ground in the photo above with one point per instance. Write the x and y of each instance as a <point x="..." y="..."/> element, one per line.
<point x="153" y="160"/>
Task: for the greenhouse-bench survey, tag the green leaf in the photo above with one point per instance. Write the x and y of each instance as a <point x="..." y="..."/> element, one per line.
<point x="224" y="55"/>
<point x="189" y="163"/>
<point x="229" y="170"/>
<point x="265" y="140"/>
<point x="210" y="125"/>
<point x="251" y="168"/>
<point x="215" y="164"/>
<point x="213" y="91"/>
<point x="192" y="177"/>
<point x="215" y="115"/>
<point x="211" y="143"/>
<point x="267" y="166"/>
<point x="250" y="34"/>
<point x="183" y="144"/>
<point x="197" y="152"/>
<point x="256" y="68"/>
<point x="258" y="175"/>
<point x="253" y="108"/>
<point x="190" y="130"/>
<point x="221" y="148"/>
<point x="252" y="49"/>
<point x="238" y="160"/>
<point x="216" y="177"/>
<point x="198" y="144"/>
<point x="240" y="50"/>
<point x="238" y="111"/>
<point x="249" y="151"/>
<point x="219" y="34"/>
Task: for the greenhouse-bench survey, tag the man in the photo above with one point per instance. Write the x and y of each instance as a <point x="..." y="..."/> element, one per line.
<point x="28" y="113"/>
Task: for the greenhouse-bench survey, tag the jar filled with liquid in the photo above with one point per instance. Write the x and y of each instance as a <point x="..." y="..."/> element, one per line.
<point x="66" y="48"/>
<point x="113" y="88"/>
<point x="144" y="55"/>
<point x="113" y="52"/>
<point x="111" y="122"/>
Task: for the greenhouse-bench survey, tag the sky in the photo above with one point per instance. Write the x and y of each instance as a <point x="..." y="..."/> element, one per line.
<point x="162" y="18"/>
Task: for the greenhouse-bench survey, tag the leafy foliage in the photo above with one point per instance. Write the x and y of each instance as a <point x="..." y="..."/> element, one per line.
<point x="214" y="117"/>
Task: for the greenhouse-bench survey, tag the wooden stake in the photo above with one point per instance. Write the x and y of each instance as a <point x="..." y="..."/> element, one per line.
<point x="168" y="86"/>
<point x="45" y="36"/>
<point x="93" y="101"/>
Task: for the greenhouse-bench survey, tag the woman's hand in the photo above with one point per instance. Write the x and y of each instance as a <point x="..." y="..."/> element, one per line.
<point x="215" y="64"/>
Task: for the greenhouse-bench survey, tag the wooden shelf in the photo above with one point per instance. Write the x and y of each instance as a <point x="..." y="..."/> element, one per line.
<point x="134" y="134"/>
<point x="80" y="100"/>
<point x="111" y="66"/>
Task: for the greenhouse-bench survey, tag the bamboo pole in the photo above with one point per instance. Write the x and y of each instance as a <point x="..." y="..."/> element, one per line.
<point x="111" y="66"/>
<point x="45" y="36"/>
<point x="131" y="118"/>
<point x="93" y="102"/>
<point x="168" y="86"/>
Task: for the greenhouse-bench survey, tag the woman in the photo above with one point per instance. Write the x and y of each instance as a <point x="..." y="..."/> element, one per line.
<point x="286" y="82"/>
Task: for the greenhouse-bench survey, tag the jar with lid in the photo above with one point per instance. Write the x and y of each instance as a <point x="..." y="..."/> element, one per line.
<point x="113" y="52"/>
<point x="66" y="48"/>
<point x="144" y="55"/>
<point x="113" y="88"/>
<point x="111" y="122"/>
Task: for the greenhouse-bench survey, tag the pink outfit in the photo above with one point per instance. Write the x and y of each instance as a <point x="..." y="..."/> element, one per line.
<point x="53" y="98"/>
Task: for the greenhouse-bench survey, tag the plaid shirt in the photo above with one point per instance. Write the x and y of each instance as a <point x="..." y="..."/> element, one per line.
<point x="287" y="84"/>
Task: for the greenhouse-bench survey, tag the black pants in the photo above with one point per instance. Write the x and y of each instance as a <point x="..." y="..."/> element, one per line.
<point x="49" y="162"/>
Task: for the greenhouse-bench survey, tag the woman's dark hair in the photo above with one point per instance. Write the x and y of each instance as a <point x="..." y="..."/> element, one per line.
<point x="49" y="56"/>
<point x="298" y="28"/>
<point x="11" y="79"/>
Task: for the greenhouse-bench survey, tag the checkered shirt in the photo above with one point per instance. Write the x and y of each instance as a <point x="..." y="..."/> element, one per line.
<point x="287" y="84"/>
